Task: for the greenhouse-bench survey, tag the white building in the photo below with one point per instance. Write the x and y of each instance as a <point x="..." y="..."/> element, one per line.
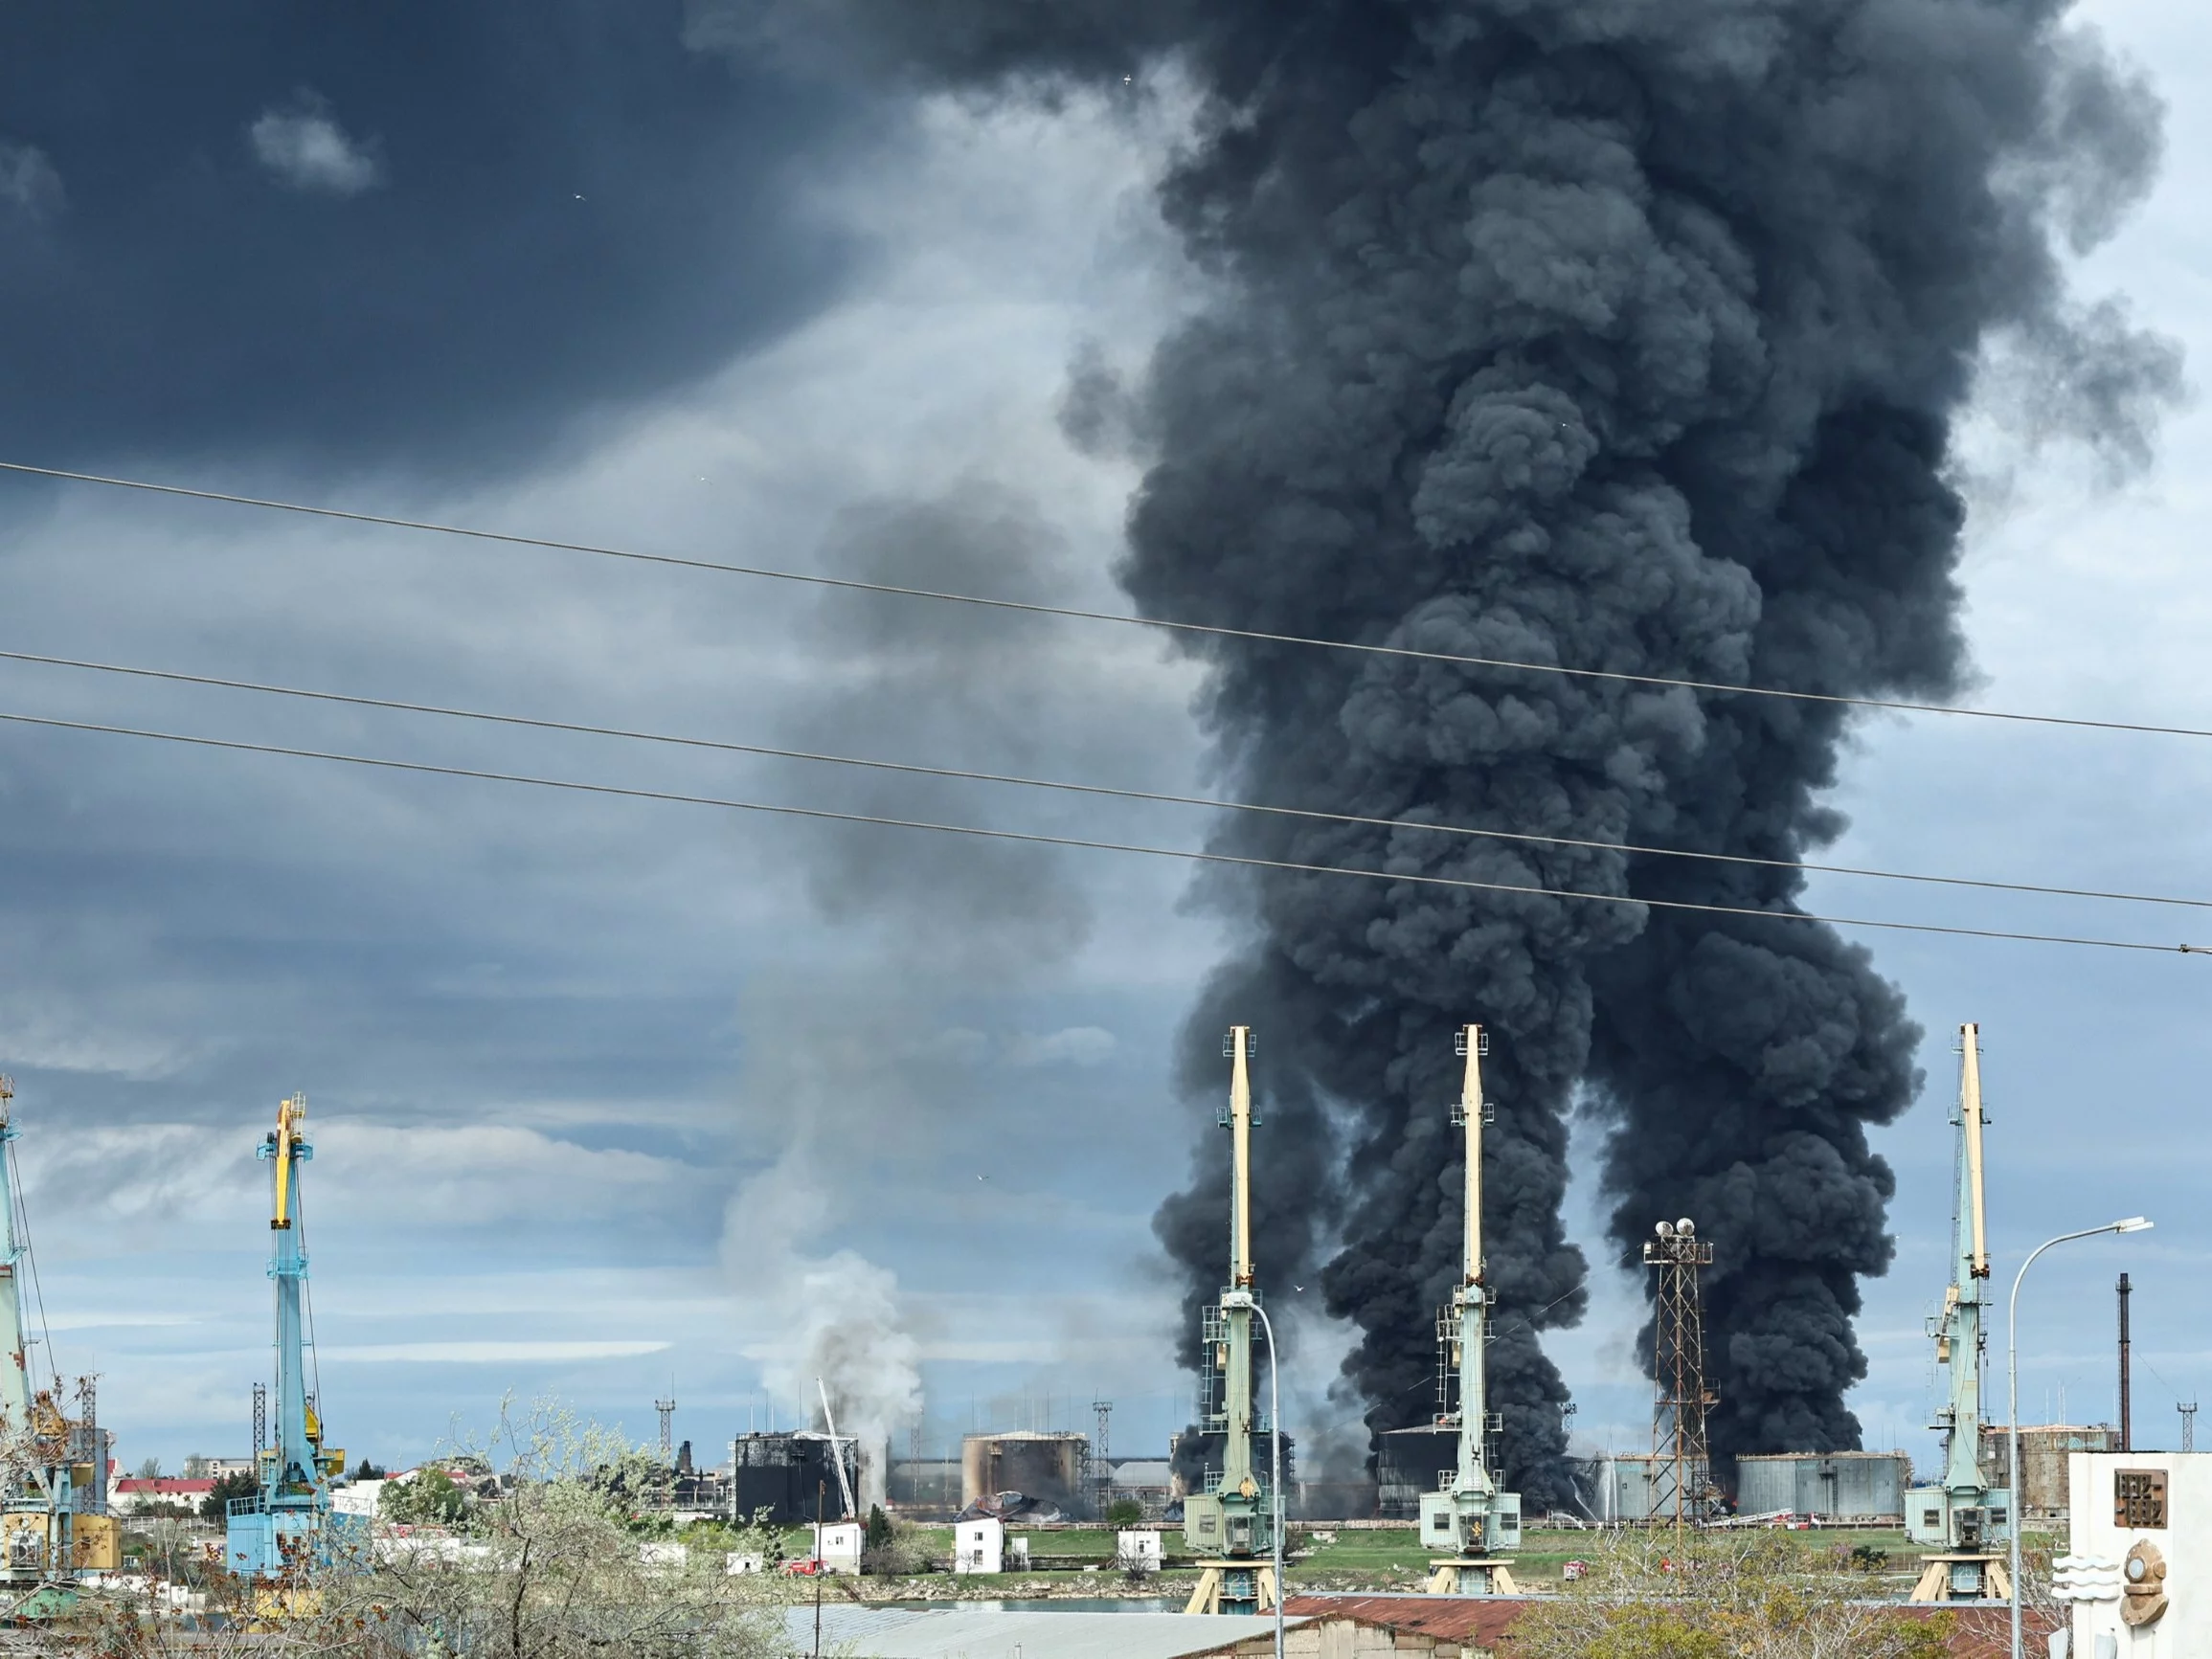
<point x="1137" y="1552"/>
<point x="357" y="1499"/>
<point x="980" y="1547"/>
<point x="2140" y="1524"/>
<point x="838" y="1546"/>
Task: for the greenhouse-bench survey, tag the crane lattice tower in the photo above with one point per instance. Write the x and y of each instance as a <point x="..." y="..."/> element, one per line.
<point x="1683" y="1486"/>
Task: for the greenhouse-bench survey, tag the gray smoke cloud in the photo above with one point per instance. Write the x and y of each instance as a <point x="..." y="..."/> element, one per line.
<point x="1626" y="334"/>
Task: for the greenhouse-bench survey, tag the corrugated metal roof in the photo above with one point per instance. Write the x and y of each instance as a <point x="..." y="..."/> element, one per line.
<point x="1483" y="1619"/>
<point x="962" y="1633"/>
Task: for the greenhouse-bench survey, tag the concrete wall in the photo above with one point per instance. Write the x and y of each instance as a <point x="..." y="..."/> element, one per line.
<point x="2099" y="1542"/>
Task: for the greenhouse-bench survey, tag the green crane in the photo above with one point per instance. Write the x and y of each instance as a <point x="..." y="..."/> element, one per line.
<point x="1964" y="1520"/>
<point x="1230" y="1524"/>
<point x="1470" y="1519"/>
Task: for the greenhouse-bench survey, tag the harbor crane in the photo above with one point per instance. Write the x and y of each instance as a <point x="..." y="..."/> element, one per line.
<point x="1468" y="1518"/>
<point x="55" y="1525"/>
<point x="1230" y="1526"/>
<point x="277" y="1527"/>
<point x="1964" y="1519"/>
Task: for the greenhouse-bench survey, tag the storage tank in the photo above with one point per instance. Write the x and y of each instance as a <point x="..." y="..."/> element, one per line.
<point x="1049" y="1467"/>
<point x="1627" y="1490"/>
<point x="2043" y="1451"/>
<point x="1408" y="1463"/>
<point x="1836" y="1486"/>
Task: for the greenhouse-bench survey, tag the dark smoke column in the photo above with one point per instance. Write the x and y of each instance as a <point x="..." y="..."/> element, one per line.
<point x="1624" y="334"/>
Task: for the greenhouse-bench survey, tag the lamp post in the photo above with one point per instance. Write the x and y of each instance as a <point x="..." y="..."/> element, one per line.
<point x="1275" y="1458"/>
<point x="2132" y="1224"/>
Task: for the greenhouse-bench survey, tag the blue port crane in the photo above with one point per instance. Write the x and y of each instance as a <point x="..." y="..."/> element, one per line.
<point x="55" y="1525"/>
<point x="278" y="1526"/>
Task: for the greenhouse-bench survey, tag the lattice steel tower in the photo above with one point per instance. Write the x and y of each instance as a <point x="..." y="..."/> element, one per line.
<point x="1683" y="1486"/>
<point x="1101" y="1471"/>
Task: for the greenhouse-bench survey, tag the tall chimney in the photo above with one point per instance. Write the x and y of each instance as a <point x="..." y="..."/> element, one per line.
<point x="2127" y="1435"/>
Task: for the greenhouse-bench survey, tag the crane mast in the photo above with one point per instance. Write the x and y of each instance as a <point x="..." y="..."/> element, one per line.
<point x="1230" y="1523"/>
<point x="268" y="1531"/>
<point x="55" y="1525"/>
<point x="1470" y="1518"/>
<point x="14" y="1369"/>
<point x="1964" y="1517"/>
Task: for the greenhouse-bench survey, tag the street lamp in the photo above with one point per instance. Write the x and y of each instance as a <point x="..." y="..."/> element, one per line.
<point x="1246" y="1299"/>
<point x="2132" y="1224"/>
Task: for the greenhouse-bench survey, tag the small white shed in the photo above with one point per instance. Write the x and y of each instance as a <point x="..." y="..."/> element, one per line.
<point x="840" y="1547"/>
<point x="979" y="1546"/>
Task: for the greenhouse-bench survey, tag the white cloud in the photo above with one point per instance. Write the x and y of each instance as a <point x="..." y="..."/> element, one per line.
<point x="308" y="150"/>
<point x="28" y="180"/>
<point x="487" y="1353"/>
<point x="1077" y="1046"/>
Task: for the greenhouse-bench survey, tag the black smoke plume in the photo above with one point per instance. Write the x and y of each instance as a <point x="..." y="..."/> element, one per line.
<point x="1625" y="334"/>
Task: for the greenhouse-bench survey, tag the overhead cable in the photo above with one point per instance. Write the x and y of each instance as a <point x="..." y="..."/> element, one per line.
<point x="1171" y="626"/>
<point x="1155" y="796"/>
<point x="1034" y="839"/>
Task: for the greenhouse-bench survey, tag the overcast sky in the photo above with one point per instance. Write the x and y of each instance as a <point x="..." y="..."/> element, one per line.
<point x="595" y="1082"/>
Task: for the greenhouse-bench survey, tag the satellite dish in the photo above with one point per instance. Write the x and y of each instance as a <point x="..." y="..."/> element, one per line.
<point x="1686" y="1227"/>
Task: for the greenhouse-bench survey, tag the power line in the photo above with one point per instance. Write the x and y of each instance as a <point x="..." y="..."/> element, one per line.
<point x="1208" y="630"/>
<point x="825" y="815"/>
<point x="1156" y="796"/>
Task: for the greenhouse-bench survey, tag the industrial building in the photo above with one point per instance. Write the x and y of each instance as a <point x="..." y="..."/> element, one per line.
<point x="1852" y="1486"/>
<point x="793" y="1475"/>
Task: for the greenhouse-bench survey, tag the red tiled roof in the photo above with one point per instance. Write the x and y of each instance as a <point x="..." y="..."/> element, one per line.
<point x="166" y="1487"/>
<point x="1483" y="1618"/>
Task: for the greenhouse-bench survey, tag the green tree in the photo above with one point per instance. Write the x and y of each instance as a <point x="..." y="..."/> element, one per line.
<point x="432" y="1499"/>
<point x="551" y="1568"/>
<point x="1124" y="1512"/>
<point x="878" y="1533"/>
<point x="216" y="1504"/>
<point x="366" y="1471"/>
<point x="1720" y="1596"/>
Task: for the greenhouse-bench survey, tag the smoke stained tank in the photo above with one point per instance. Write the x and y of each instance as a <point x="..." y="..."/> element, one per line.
<point x="1047" y="1469"/>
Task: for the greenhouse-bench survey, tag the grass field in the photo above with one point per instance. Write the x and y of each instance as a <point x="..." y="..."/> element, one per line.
<point x="1078" y="1562"/>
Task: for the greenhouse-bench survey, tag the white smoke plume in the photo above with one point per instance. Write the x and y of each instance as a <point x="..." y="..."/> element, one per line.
<point x="835" y="1315"/>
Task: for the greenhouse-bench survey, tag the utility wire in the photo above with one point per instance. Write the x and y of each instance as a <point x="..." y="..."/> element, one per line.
<point x="1202" y="629"/>
<point x="912" y="769"/>
<point x="825" y="815"/>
